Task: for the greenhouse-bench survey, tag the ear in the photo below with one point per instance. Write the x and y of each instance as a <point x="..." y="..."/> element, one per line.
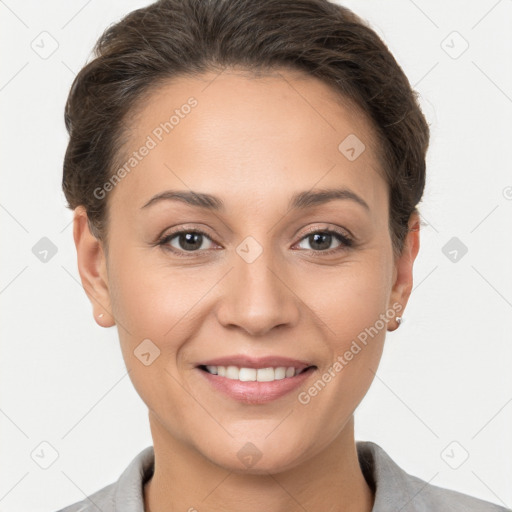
<point x="92" y="268"/>
<point x="403" y="273"/>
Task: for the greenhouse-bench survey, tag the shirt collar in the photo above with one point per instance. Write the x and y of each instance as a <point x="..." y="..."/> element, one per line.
<point x="129" y="491"/>
<point x="393" y="488"/>
<point x="390" y="483"/>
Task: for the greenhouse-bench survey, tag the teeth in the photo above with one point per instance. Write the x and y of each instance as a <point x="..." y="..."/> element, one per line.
<point x="253" y="374"/>
<point x="232" y="372"/>
<point x="266" y="374"/>
<point x="280" y="373"/>
<point x="247" y="374"/>
<point x="212" y="369"/>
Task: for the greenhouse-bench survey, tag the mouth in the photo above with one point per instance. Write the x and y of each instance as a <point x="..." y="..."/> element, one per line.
<point x="255" y="381"/>
<point x="244" y="374"/>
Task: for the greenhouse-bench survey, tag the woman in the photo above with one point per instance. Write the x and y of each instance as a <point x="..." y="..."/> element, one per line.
<point x="245" y="179"/>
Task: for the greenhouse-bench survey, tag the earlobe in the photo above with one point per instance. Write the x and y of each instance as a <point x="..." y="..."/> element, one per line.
<point x="92" y="268"/>
<point x="403" y="283"/>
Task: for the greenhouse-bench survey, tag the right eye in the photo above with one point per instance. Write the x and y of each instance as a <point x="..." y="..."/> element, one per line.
<point x="187" y="241"/>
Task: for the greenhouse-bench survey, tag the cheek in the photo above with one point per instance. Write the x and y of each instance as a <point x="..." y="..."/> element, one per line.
<point x="353" y="308"/>
<point x="149" y="299"/>
<point x="151" y="313"/>
<point x="349" y="299"/>
<point x="156" y="309"/>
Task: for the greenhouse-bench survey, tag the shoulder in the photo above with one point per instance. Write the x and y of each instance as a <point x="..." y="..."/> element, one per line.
<point x="126" y="494"/>
<point x="395" y="487"/>
<point x="432" y="497"/>
<point x="103" y="500"/>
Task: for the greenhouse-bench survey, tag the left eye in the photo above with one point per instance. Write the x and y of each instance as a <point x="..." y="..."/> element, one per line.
<point x="323" y="240"/>
<point x="188" y="241"/>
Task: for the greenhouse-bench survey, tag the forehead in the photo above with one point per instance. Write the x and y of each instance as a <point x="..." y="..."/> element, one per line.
<point x="241" y="137"/>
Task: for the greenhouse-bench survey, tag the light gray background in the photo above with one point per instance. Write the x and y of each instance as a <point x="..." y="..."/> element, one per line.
<point x="445" y="375"/>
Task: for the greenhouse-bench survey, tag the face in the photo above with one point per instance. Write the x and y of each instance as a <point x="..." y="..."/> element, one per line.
<point x="254" y="275"/>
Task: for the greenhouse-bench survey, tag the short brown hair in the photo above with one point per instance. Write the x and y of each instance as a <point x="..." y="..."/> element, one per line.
<point x="188" y="37"/>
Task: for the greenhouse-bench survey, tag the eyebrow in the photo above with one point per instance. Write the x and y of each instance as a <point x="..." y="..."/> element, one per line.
<point x="299" y="201"/>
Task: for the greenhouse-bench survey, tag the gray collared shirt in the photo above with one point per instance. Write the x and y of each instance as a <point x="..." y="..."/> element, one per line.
<point x="395" y="490"/>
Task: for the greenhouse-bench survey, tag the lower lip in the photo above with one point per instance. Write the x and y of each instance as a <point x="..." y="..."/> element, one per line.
<point x="254" y="392"/>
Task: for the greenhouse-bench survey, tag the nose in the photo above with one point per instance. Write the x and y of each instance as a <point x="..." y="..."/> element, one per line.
<point x="257" y="298"/>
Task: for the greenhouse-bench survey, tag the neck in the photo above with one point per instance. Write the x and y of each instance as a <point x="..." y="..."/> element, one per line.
<point x="185" y="480"/>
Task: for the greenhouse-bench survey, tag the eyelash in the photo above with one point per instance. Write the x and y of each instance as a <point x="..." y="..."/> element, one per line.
<point x="346" y="241"/>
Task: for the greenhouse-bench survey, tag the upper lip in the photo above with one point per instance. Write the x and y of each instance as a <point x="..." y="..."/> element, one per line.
<point x="242" y="361"/>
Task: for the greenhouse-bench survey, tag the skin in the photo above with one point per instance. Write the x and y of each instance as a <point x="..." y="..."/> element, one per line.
<point x="252" y="142"/>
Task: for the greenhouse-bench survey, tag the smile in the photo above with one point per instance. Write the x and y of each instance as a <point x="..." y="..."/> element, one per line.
<point x="242" y="374"/>
<point x="255" y="380"/>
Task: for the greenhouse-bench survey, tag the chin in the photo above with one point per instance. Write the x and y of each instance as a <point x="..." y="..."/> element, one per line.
<point x="258" y="458"/>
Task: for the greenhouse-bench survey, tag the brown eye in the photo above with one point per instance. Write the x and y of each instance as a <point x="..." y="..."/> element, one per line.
<point x="188" y="240"/>
<point x="322" y="240"/>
